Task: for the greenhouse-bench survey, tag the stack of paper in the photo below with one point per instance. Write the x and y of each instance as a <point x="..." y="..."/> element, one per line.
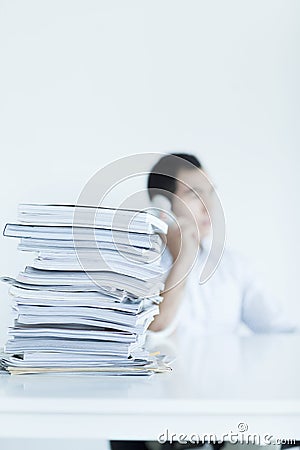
<point x="86" y="301"/>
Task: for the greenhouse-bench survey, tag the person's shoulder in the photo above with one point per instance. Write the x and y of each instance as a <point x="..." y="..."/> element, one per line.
<point x="242" y="267"/>
<point x="233" y="254"/>
<point x="235" y="260"/>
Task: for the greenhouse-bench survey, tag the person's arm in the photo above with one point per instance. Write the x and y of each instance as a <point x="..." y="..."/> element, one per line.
<point x="262" y="311"/>
<point x="183" y="244"/>
<point x="172" y="296"/>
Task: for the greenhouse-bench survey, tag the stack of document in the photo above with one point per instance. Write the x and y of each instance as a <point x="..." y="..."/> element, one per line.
<point x="87" y="299"/>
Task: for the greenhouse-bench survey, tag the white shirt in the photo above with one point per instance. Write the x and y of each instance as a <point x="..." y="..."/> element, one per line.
<point x="234" y="295"/>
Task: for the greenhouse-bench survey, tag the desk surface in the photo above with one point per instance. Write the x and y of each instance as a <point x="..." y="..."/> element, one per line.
<point x="217" y="383"/>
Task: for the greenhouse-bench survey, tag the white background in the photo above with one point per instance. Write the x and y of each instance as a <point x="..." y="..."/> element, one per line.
<point x="85" y="82"/>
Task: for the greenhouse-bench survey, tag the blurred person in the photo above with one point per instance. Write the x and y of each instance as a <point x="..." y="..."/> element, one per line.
<point x="233" y="296"/>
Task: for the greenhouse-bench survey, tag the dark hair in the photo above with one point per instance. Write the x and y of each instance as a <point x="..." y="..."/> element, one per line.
<point x="163" y="175"/>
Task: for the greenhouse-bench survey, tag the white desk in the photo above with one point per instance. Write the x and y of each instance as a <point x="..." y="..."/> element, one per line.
<point x="216" y="383"/>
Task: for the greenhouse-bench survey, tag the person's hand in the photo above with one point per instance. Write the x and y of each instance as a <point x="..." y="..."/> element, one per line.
<point x="183" y="240"/>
